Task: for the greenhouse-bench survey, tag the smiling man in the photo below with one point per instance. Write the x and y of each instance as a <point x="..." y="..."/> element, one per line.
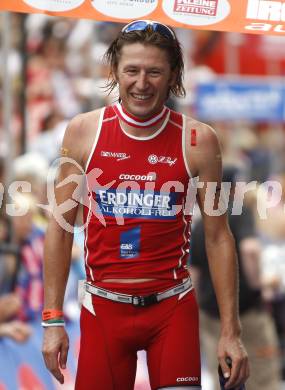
<point x="138" y="292"/>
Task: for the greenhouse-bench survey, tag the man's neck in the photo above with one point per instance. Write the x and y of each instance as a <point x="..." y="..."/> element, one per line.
<point x="138" y="127"/>
<point x="136" y="132"/>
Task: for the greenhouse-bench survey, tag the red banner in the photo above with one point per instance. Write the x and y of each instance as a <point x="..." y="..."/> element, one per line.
<point x="246" y="16"/>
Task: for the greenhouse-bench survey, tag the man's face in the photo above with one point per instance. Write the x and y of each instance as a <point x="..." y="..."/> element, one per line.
<point x="144" y="77"/>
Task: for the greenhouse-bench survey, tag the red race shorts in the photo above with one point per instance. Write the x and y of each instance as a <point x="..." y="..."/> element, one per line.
<point x="110" y="339"/>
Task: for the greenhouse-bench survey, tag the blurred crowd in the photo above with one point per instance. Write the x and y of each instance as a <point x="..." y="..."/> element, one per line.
<point x="65" y="75"/>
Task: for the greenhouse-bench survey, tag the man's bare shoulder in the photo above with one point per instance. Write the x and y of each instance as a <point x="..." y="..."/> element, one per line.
<point x="205" y="147"/>
<point x="80" y="124"/>
<point x="80" y="134"/>
<point x="92" y="115"/>
<point x="205" y="134"/>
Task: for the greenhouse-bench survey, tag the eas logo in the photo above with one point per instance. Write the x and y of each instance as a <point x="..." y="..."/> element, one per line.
<point x="198" y="7"/>
<point x="127" y="246"/>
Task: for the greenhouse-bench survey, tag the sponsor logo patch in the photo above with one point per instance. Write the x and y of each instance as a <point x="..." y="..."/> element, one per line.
<point x="136" y="204"/>
<point x="197" y="12"/>
<point x="130" y="243"/>
<point x="196" y="7"/>
<point x="188" y="379"/>
<point x="154" y="159"/>
<point x="266" y="10"/>
<point x="54" y="5"/>
<point x="122" y="9"/>
<point x="117" y="155"/>
<point x="129" y="176"/>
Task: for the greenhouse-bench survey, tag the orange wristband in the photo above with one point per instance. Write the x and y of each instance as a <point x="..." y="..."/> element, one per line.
<point x="50" y="314"/>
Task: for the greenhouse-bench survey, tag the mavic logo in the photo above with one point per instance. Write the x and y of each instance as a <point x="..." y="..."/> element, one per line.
<point x="118" y="156"/>
<point x="154" y="159"/>
<point x="266" y="10"/>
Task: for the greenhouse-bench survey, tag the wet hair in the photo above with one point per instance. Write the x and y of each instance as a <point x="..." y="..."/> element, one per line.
<point x="153" y="38"/>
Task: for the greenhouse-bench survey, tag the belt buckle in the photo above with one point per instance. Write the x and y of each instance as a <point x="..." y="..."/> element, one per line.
<point x="144" y="301"/>
<point x="136" y="301"/>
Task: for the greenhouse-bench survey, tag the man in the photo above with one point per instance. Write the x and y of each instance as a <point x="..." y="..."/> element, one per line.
<point x="259" y="335"/>
<point x="138" y="156"/>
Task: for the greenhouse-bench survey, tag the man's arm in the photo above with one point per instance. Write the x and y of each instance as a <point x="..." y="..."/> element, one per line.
<point x="205" y="161"/>
<point x="58" y="246"/>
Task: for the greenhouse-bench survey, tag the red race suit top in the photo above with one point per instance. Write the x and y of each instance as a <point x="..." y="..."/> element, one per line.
<point x="136" y="222"/>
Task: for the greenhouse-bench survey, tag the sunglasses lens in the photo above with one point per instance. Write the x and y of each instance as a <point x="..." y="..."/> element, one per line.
<point x="163" y="30"/>
<point x="142" y="25"/>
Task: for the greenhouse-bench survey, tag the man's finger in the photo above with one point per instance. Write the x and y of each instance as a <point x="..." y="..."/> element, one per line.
<point x="63" y="356"/>
<point x="243" y="373"/>
<point x="226" y="371"/>
<point x="51" y="362"/>
<point x="58" y="375"/>
<point x="235" y="375"/>
<point x="53" y="367"/>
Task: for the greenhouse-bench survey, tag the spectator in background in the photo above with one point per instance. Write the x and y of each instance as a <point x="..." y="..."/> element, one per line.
<point x="29" y="239"/>
<point x="10" y="302"/>
<point x="33" y="169"/>
<point x="8" y="256"/>
<point x="272" y="233"/>
<point x="28" y="235"/>
<point x="259" y="334"/>
<point x="48" y="142"/>
<point x="49" y="83"/>
<point x="9" y="326"/>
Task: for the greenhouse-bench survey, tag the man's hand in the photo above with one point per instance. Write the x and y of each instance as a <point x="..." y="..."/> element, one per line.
<point x="55" y="350"/>
<point x="16" y="330"/>
<point x="233" y="349"/>
<point x="10" y="304"/>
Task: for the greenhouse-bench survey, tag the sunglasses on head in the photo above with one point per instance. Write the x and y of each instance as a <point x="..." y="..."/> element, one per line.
<point x="142" y="25"/>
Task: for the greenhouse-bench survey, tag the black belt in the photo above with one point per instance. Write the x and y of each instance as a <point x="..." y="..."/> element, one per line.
<point x="138" y="300"/>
